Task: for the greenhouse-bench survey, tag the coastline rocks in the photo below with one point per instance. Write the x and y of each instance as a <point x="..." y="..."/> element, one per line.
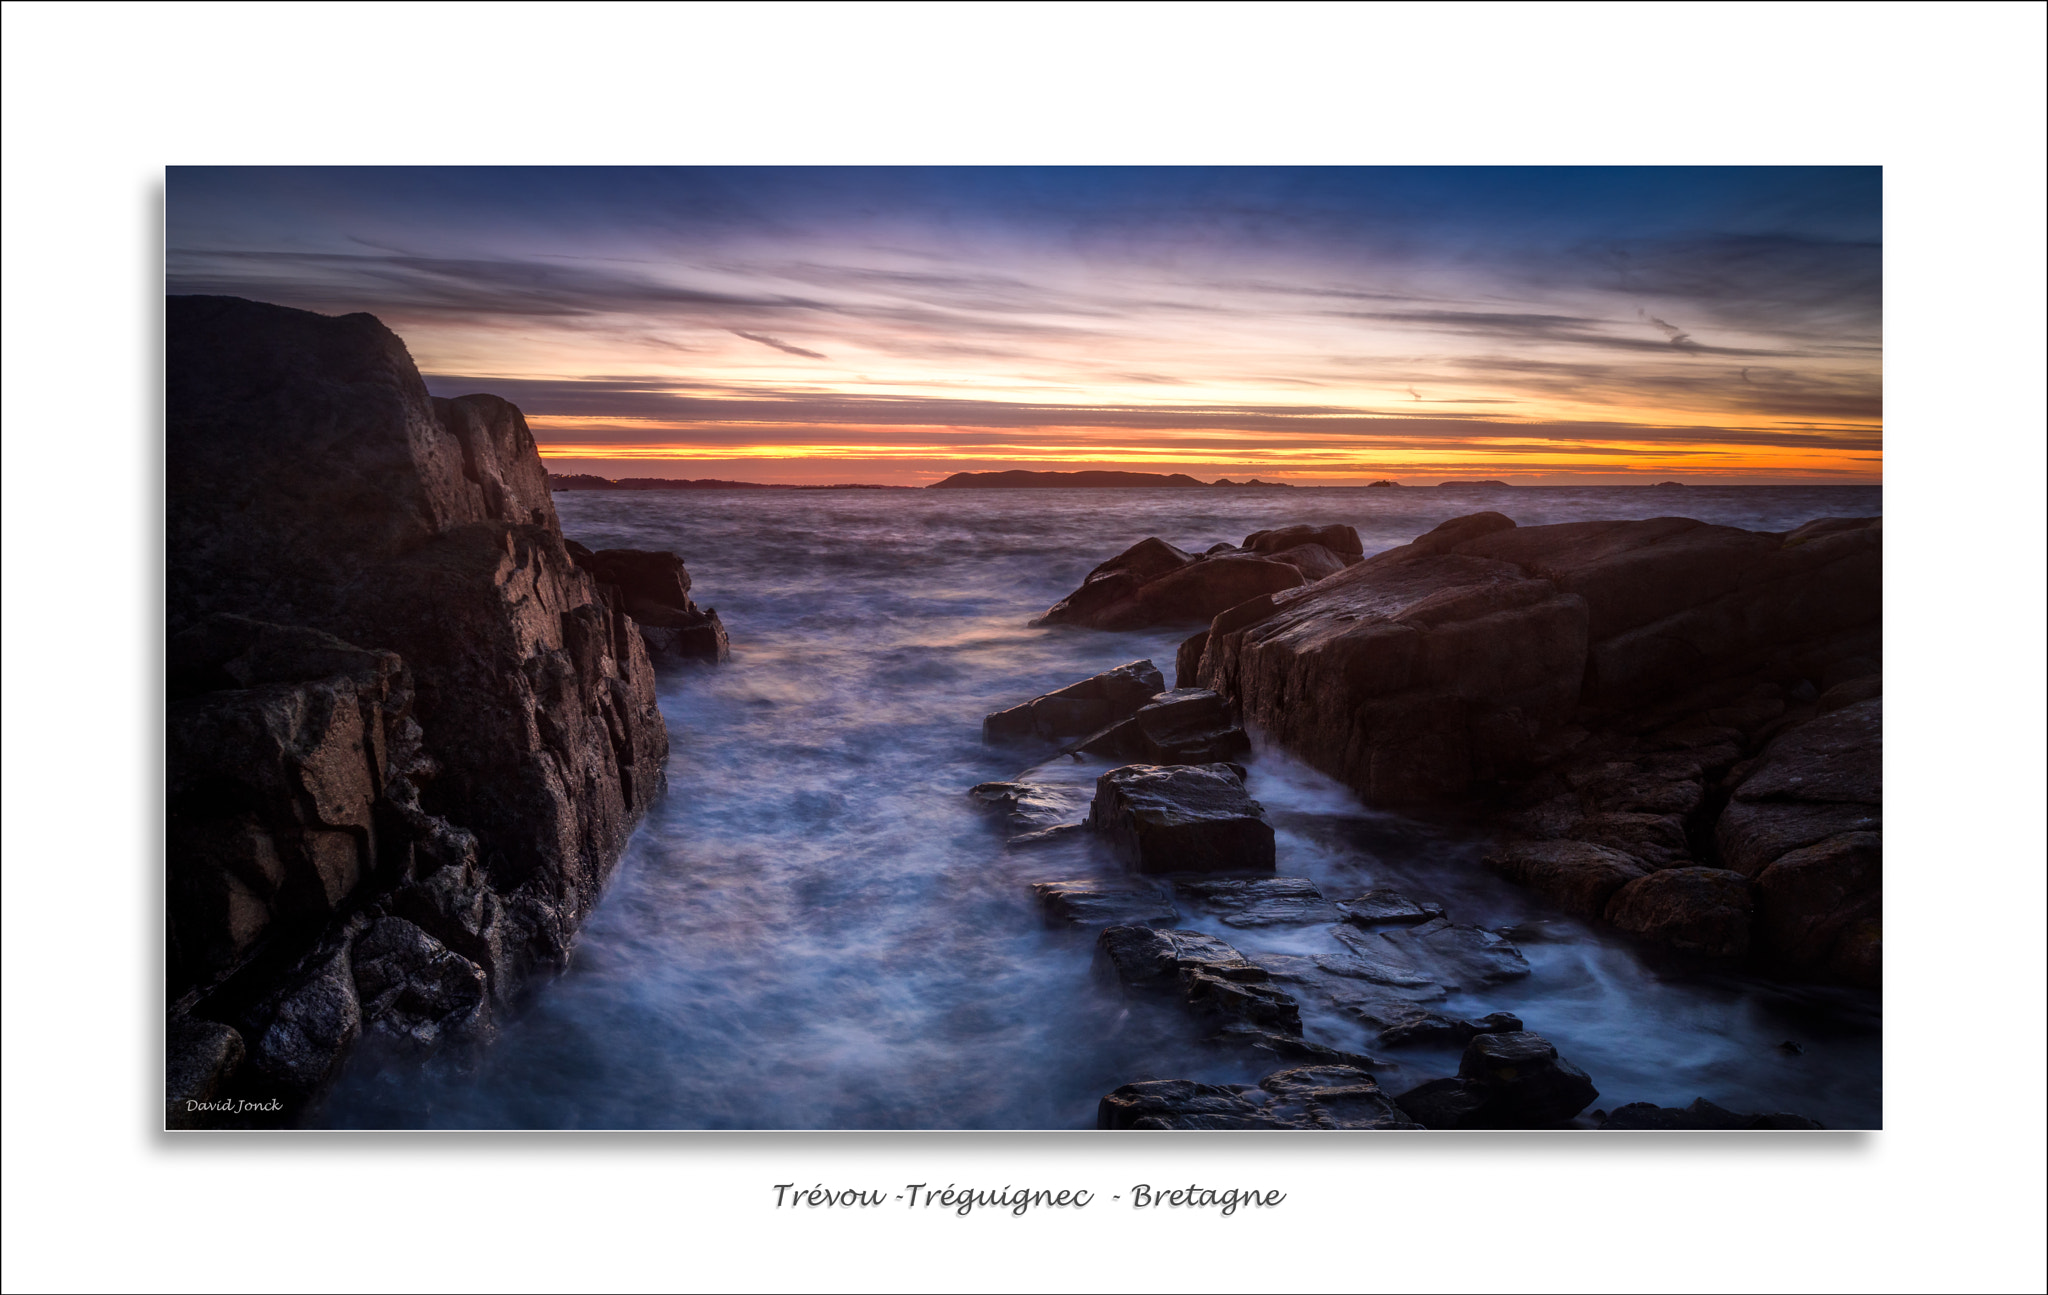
<point x="1428" y="1029"/>
<point x="1265" y="901"/>
<point x="1387" y="907"/>
<point x="1101" y="904"/>
<point x="1450" y="661"/>
<point x="1580" y="876"/>
<point x="1511" y="1080"/>
<point x="1694" y="910"/>
<point x="1031" y="809"/>
<point x="1804" y="822"/>
<point x="1702" y="1114"/>
<point x="1215" y="983"/>
<point x="1184" y="726"/>
<point x="1446" y="953"/>
<point x="1153" y="583"/>
<point x="654" y="589"/>
<point x="383" y="664"/>
<point x="1079" y="708"/>
<point x="1182" y="818"/>
<point x="1305" y="1097"/>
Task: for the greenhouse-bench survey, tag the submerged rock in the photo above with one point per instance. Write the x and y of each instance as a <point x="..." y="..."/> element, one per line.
<point x="1214" y="982"/>
<point x="1445" y="952"/>
<point x="1031" y="809"/>
<point x="1305" y="1097"/>
<point x="1079" y="708"/>
<point x="1101" y="904"/>
<point x="1182" y="818"/>
<point x="1428" y="1029"/>
<point x="1265" y="901"/>
<point x="1387" y="908"/>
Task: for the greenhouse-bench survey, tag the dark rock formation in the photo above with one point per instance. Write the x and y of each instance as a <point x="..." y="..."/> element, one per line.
<point x="1182" y="818"/>
<point x="1804" y="822"/>
<point x="1696" y="910"/>
<point x="1609" y="687"/>
<point x="1512" y="1080"/>
<point x="1446" y="953"/>
<point x="1184" y="726"/>
<point x="1031" y="809"/>
<point x="1103" y="904"/>
<point x="1262" y="901"/>
<point x="394" y="696"/>
<point x="1702" y="1114"/>
<point x="1429" y="1029"/>
<point x="1215" y="983"/>
<point x="1154" y="583"/>
<point x="654" y="589"/>
<point x="1079" y="708"/>
<point x="1387" y="907"/>
<point x="1305" y="1097"/>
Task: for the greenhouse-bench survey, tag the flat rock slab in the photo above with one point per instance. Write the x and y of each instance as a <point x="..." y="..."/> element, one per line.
<point x="1388" y="908"/>
<point x="1033" y="807"/>
<point x="1304" y="1097"/>
<point x="1184" y="726"/>
<point x="1183" y="818"/>
<point x="1428" y="1029"/>
<point x="1455" y="956"/>
<point x="1214" y="982"/>
<point x="1102" y="904"/>
<point x="1262" y="901"/>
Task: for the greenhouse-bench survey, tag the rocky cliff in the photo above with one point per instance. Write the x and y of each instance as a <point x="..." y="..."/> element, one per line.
<point x="408" y="733"/>
<point x="1675" y="725"/>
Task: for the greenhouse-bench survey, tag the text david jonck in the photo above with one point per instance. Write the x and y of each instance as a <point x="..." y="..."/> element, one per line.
<point x="963" y="1201"/>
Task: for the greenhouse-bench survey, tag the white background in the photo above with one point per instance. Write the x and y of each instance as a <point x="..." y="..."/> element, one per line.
<point x="1949" y="98"/>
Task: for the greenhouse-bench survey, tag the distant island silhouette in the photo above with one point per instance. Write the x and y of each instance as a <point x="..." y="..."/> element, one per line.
<point x="1018" y="479"/>
<point x="586" y="481"/>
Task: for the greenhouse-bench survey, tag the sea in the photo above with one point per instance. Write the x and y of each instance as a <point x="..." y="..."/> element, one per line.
<point x="816" y="929"/>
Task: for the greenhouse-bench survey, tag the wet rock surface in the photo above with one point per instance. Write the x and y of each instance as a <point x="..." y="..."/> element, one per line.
<point x="1182" y="818"/>
<point x="1079" y="708"/>
<point x="1263" y="901"/>
<point x="1387" y="907"/>
<point x="1183" y="726"/>
<point x="654" y="589"/>
<point x="1508" y="1080"/>
<point x="1213" y="982"/>
<point x="1307" y="1097"/>
<point x="1154" y="583"/>
<point x="392" y="688"/>
<point x="1103" y="904"/>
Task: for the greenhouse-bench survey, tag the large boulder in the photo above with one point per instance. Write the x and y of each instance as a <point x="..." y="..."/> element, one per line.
<point x="1579" y="875"/>
<point x="1184" y="726"/>
<point x="1079" y="708"/>
<point x="654" y="588"/>
<point x="1182" y="818"/>
<point x="1153" y="583"/>
<point x="384" y="666"/>
<point x="1458" y="659"/>
<point x="1695" y="910"/>
<point x="1804" y="822"/>
<point x="1510" y="1080"/>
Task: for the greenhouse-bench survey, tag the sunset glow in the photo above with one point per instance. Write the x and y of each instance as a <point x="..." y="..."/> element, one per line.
<point x="1330" y="325"/>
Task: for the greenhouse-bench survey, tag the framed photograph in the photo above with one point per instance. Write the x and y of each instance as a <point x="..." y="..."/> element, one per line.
<point x="1100" y="648"/>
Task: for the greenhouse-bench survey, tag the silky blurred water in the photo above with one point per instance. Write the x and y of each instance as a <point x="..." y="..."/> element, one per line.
<point x="814" y="928"/>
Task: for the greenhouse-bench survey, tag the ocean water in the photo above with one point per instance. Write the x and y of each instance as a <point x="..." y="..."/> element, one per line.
<point x="816" y="929"/>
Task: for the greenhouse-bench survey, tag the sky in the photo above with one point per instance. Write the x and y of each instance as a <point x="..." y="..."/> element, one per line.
<point x="1324" y="325"/>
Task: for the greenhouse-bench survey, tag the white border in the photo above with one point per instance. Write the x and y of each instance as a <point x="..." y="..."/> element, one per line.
<point x="1947" y="97"/>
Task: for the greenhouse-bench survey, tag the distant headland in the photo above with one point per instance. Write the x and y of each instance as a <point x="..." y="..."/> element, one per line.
<point x="585" y="481"/>
<point x="1017" y="479"/>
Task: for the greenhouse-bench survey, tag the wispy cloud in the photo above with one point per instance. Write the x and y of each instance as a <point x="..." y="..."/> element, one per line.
<point x="777" y="343"/>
